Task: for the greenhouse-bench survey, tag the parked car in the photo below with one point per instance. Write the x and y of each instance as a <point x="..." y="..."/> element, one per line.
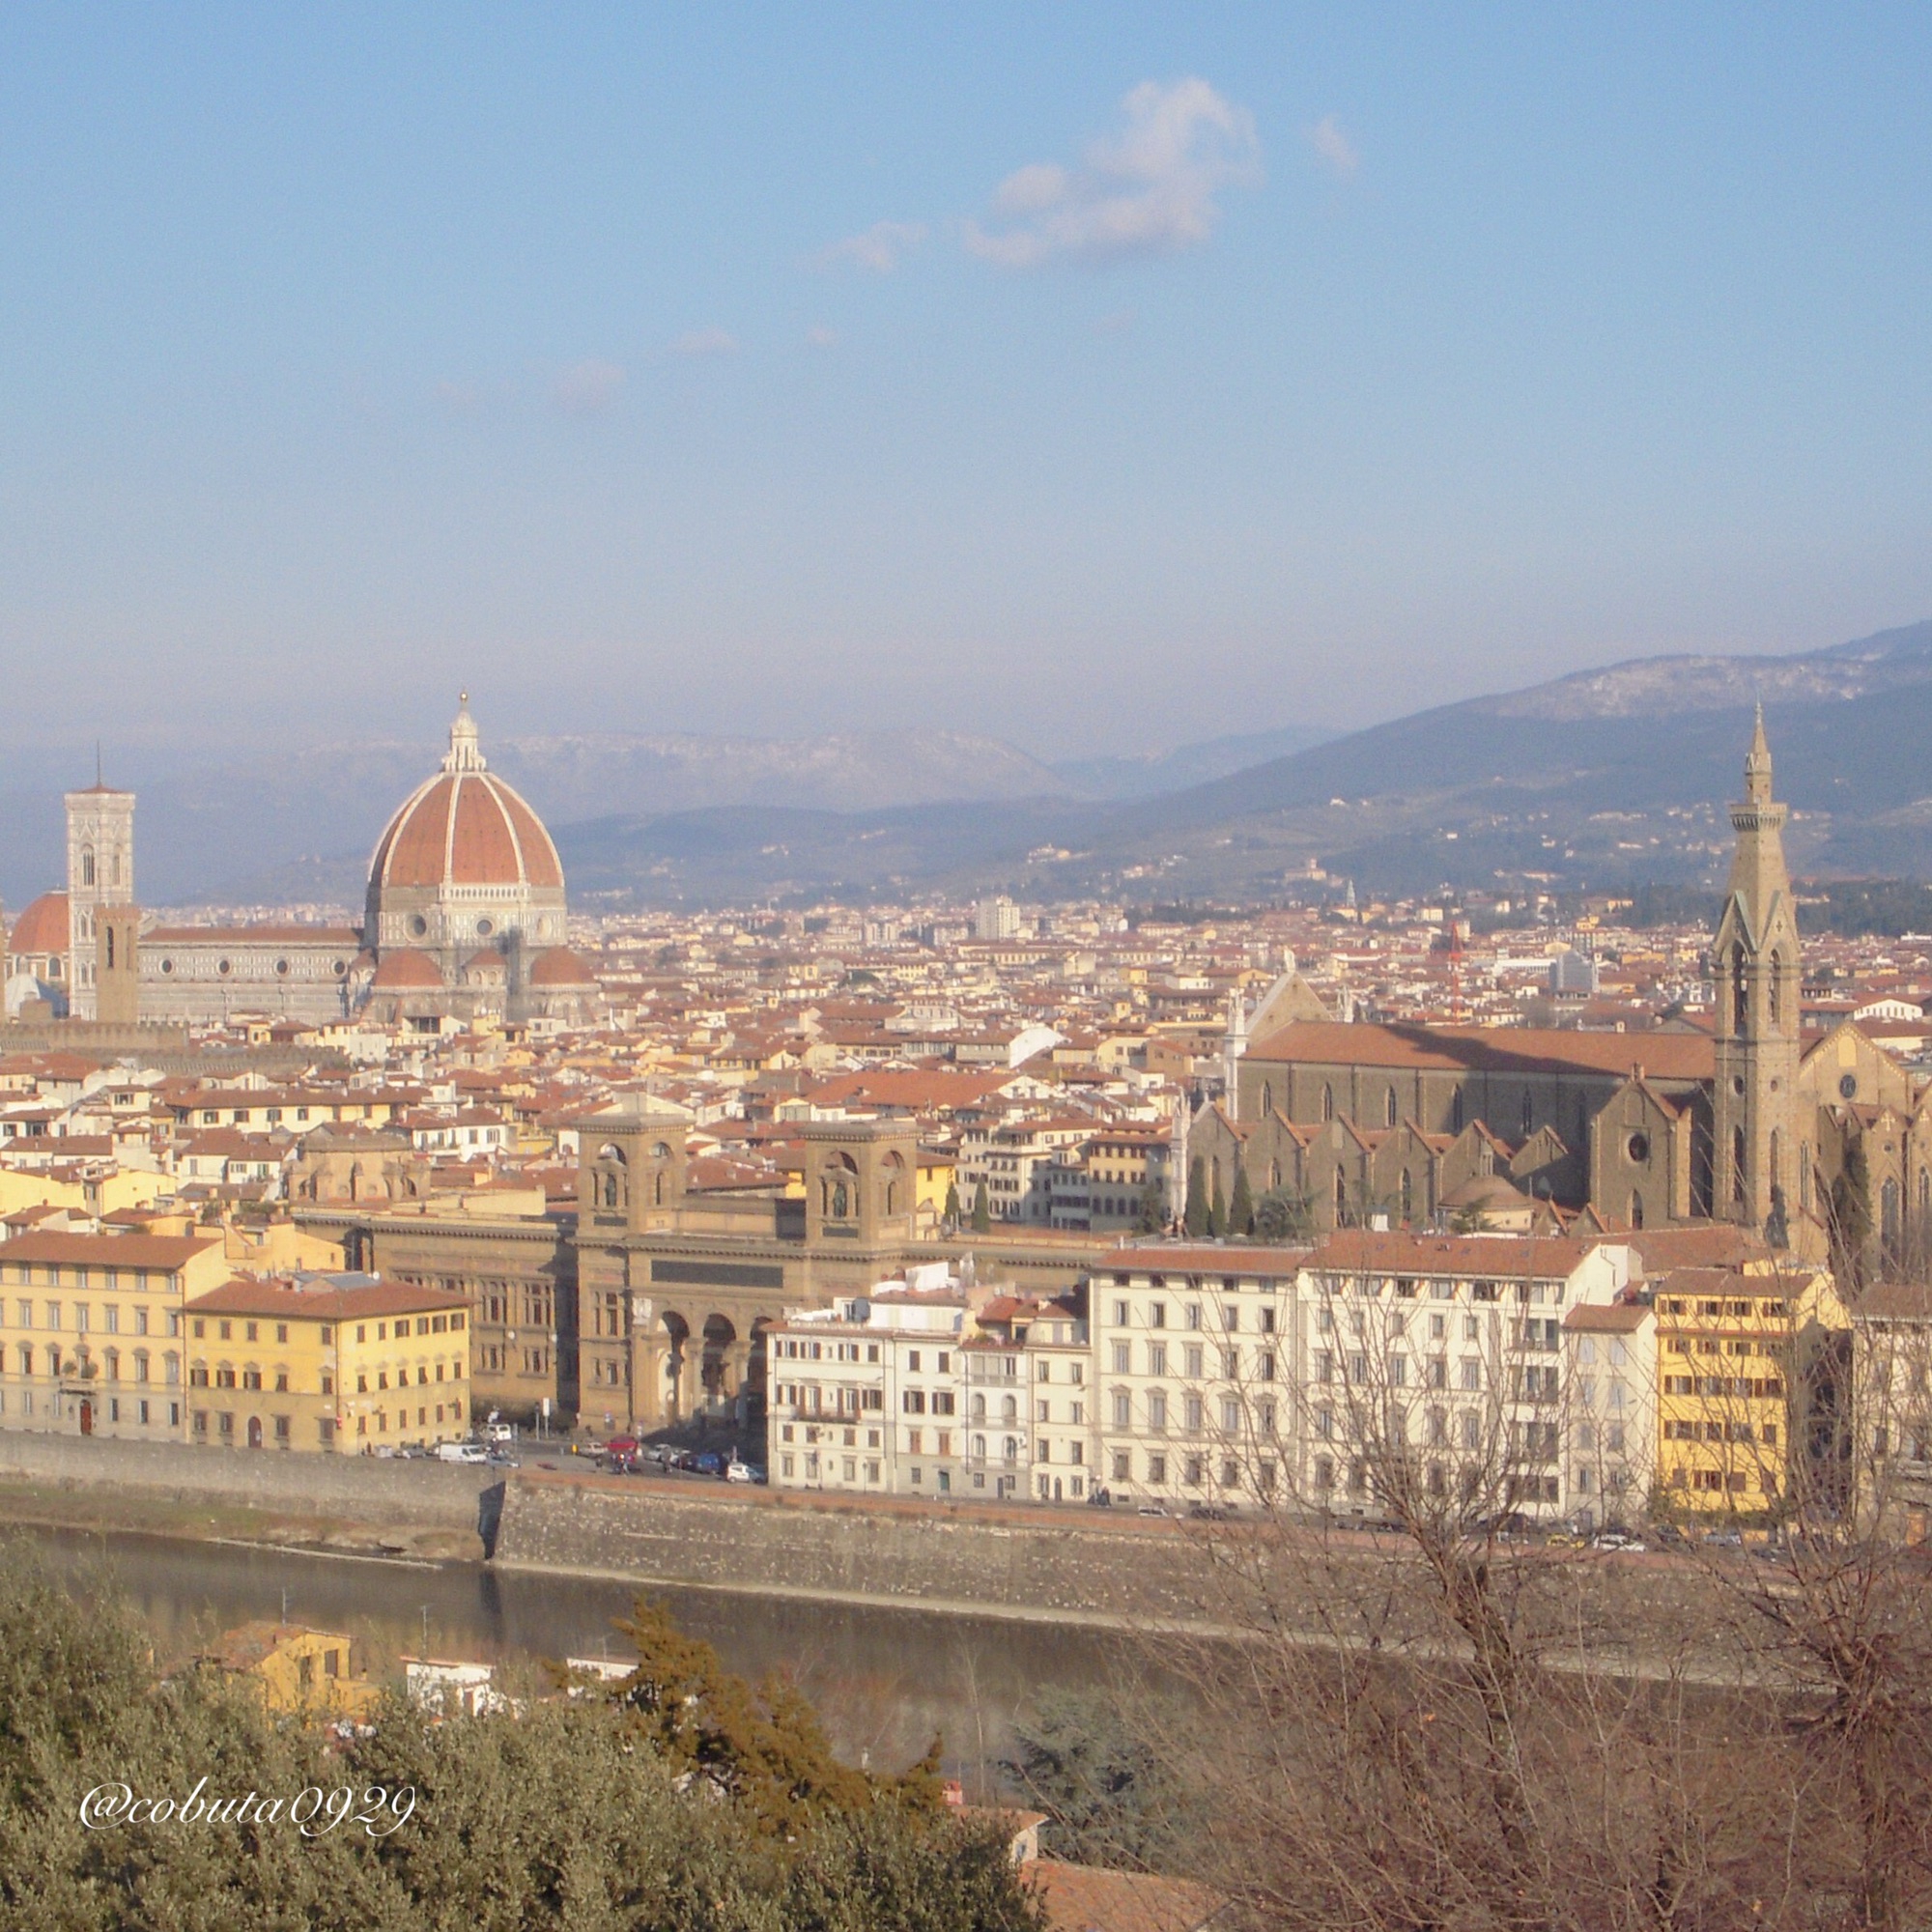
<point x="737" y="1471"/>
<point x="1207" y="1512"/>
<point x="710" y="1464"/>
<point x="1615" y="1539"/>
<point x="621" y="1446"/>
<point x="462" y="1452"/>
<point x="493" y="1431"/>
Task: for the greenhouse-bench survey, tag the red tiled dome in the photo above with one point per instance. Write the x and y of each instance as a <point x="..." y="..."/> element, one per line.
<point x="465" y="827"/>
<point x="559" y="966"/>
<point x="405" y="969"/>
<point x="42" y="928"/>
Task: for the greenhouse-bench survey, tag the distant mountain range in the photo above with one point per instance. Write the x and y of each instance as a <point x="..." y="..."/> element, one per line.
<point x="1604" y="780"/>
<point x="1601" y="780"/>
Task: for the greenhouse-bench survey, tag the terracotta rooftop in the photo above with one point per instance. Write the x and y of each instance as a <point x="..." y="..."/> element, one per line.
<point x="322" y="1298"/>
<point x="1505" y="1050"/>
<point x="166" y="1252"/>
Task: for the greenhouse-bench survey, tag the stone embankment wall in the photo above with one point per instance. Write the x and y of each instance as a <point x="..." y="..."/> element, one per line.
<point x="362" y="1489"/>
<point x="1091" y="1568"/>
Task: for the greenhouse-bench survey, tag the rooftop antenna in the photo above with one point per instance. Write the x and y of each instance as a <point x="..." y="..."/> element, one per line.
<point x="96" y="761"/>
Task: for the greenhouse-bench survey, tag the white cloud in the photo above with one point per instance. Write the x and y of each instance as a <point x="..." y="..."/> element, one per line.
<point x="587" y="388"/>
<point x="880" y="248"/>
<point x="1150" y="190"/>
<point x="705" y="342"/>
<point x="821" y="338"/>
<point x="1334" y="149"/>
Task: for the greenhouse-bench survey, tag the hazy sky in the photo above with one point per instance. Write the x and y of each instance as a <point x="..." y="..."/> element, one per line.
<point x="1096" y="377"/>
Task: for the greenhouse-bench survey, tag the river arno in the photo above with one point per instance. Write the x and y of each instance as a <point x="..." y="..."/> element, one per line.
<point x="884" y="1680"/>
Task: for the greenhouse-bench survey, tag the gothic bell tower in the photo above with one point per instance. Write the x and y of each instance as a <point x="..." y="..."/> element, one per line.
<point x="1757" y="971"/>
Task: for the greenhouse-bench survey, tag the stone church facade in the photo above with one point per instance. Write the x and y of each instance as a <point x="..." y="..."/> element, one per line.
<point x="1754" y="1122"/>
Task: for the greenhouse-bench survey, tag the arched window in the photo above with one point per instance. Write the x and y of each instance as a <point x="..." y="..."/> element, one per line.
<point x="1775" y="992"/>
<point x="87" y="867"/>
<point x="1341" y="1196"/>
<point x="1009" y="1411"/>
<point x="1456" y="1111"/>
<point x="1888" y="1216"/>
<point x="1407" y="1195"/>
<point x="1528" y="1115"/>
<point x="1737" y="1165"/>
<point x="1327" y="1101"/>
<point x="1275" y="1174"/>
<point x="1388" y="1109"/>
<point x="978" y="1408"/>
<point x="1268" y="1099"/>
<point x="1804" y="1176"/>
<point x="110" y="949"/>
<point x="1636" y="1209"/>
<point x="658" y="1189"/>
<point x="1775" y="1176"/>
<point x="1740" y="992"/>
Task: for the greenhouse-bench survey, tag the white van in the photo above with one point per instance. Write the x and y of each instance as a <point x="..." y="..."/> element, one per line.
<point x="462" y="1452"/>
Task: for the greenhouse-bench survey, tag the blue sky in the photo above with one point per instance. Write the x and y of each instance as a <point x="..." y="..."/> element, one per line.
<point x="1094" y="377"/>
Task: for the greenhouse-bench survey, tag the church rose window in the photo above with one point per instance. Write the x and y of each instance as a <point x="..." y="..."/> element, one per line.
<point x="1848" y="1087"/>
<point x="418" y="925"/>
<point x="1638" y="1148"/>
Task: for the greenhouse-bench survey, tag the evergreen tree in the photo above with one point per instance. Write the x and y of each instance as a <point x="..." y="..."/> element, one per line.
<point x="1152" y="1216"/>
<point x="1217" y="1212"/>
<point x="1194" y="1216"/>
<point x="953" y="1203"/>
<point x="1851" y="1220"/>
<point x="1282" y="1216"/>
<point x="1241" y="1209"/>
<point x="982" y="1212"/>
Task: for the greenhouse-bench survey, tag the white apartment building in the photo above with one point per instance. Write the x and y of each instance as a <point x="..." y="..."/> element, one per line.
<point x="1192" y="1347"/>
<point x="1227" y="1374"/>
<point x="1060" y="1383"/>
<point x="1611" y="1375"/>
<point x="866" y="1395"/>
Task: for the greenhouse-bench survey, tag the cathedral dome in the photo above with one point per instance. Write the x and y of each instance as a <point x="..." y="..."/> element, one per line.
<point x="42" y="928"/>
<point x="464" y="826"/>
<point x="463" y="863"/>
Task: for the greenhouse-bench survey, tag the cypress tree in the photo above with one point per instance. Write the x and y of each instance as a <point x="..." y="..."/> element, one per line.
<point x="1217" y="1212"/>
<point x="982" y="1212"/>
<point x="1195" y="1216"/>
<point x="1241" y="1209"/>
<point x="952" y="1203"/>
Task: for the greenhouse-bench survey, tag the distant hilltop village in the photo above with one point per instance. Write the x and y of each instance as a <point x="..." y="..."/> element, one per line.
<point x="465" y="920"/>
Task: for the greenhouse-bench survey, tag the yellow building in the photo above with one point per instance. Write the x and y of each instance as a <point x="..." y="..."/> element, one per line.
<point x="327" y="1364"/>
<point x="96" y="1187"/>
<point x="1747" y="1360"/>
<point x="91" y="1339"/>
<point x="296" y="1670"/>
